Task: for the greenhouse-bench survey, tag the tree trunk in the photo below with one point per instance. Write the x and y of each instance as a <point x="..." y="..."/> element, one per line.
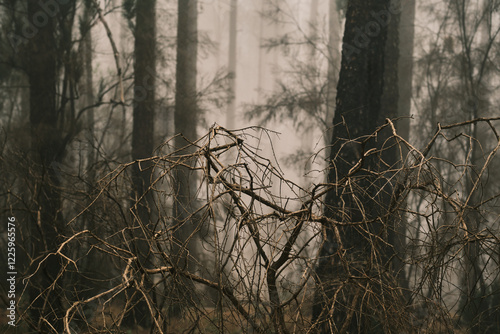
<point x="358" y="112"/>
<point x="88" y="94"/>
<point x="186" y="119"/>
<point x="46" y="152"/>
<point x="84" y="281"/>
<point x="233" y="32"/>
<point x="390" y="109"/>
<point x="477" y="82"/>
<point x="142" y="147"/>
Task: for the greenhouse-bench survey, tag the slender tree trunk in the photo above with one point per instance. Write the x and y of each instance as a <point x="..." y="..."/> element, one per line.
<point x="144" y="95"/>
<point x="186" y="247"/>
<point x="268" y="59"/>
<point x="84" y="281"/>
<point x="142" y="147"/>
<point x="186" y="109"/>
<point x="474" y="292"/>
<point x="233" y="32"/>
<point x="262" y="62"/>
<point x="88" y="94"/>
<point x="474" y="287"/>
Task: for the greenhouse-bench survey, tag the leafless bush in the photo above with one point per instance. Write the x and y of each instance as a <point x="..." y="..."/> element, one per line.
<point x="250" y="261"/>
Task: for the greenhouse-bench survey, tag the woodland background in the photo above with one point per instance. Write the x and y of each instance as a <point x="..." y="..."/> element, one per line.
<point x="266" y="166"/>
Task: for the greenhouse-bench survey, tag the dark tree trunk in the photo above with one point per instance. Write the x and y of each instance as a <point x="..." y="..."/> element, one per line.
<point x="361" y="203"/>
<point x="186" y="109"/>
<point x="142" y="147"/>
<point x="390" y="109"/>
<point x="144" y="87"/>
<point x="46" y="152"/>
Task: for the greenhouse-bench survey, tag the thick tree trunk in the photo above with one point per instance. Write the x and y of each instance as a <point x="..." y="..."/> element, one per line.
<point x="46" y="152"/>
<point x="361" y="201"/>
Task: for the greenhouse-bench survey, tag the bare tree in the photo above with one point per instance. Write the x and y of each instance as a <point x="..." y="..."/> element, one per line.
<point x="271" y="241"/>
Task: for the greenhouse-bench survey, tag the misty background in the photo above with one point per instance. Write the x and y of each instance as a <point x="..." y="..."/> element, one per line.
<point x="263" y="166"/>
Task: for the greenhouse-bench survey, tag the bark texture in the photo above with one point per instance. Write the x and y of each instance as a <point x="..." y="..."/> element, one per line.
<point x="142" y="147"/>
<point x="360" y="200"/>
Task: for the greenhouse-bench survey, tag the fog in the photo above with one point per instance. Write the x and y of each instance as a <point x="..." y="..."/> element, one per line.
<point x="264" y="166"/>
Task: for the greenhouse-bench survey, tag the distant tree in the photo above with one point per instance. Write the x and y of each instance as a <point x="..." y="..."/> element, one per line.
<point x="186" y="110"/>
<point x="233" y="40"/>
<point x="309" y="60"/>
<point x="186" y="119"/>
<point x="456" y="74"/>
<point x="87" y="88"/>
